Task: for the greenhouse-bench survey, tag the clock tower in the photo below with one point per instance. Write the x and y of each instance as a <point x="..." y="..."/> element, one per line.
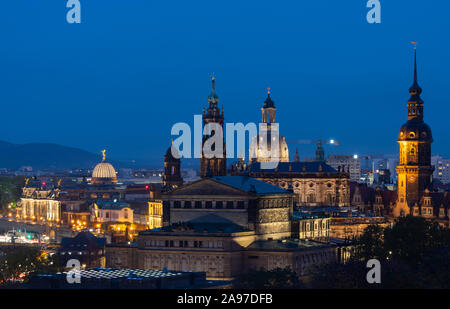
<point x="415" y="169"/>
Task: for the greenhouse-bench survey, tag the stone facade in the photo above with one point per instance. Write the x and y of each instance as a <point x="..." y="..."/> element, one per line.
<point x="223" y="226"/>
<point x="268" y="215"/>
<point x="313" y="183"/>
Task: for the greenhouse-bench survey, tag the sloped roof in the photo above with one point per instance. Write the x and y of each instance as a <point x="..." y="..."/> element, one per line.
<point x="298" y="167"/>
<point x="111" y="204"/>
<point x="81" y="239"/>
<point x="286" y="244"/>
<point x="209" y="223"/>
<point x="250" y="185"/>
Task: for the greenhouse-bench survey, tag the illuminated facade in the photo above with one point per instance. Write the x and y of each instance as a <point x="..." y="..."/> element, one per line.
<point x="223" y="226"/>
<point x="415" y="169"/>
<point x="40" y="203"/>
<point x="104" y="173"/>
<point x="260" y="149"/>
<point x="155" y="214"/>
<point x="313" y="183"/>
<point x="110" y="211"/>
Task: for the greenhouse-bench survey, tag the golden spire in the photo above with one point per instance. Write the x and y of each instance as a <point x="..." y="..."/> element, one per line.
<point x="104" y="154"/>
<point x="415" y="44"/>
<point x="268" y="90"/>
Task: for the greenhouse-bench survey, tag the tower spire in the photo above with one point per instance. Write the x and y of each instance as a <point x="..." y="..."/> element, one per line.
<point x="415" y="61"/>
<point x="213" y="82"/>
<point x="415" y="88"/>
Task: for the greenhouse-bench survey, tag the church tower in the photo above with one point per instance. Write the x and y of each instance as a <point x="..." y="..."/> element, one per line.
<point x="172" y="169"/>
<point x="320" y="152"/>
<point x="215" y="165"/>
<point x="415" y="169"/>
<point x="260" y="150"/>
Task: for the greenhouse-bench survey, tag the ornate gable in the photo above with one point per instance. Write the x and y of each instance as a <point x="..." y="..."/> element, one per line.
<point x="207" y="186"/>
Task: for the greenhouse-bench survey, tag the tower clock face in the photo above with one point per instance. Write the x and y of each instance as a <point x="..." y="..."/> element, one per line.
<point x="412" y="178"/>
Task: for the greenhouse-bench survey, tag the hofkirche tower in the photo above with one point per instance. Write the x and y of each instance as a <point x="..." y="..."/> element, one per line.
<point x="415" y="169"/>
<point x="215" y="165"/>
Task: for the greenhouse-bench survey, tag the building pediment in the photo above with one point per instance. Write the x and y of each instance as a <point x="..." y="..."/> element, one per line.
<point x="206" y="186"/>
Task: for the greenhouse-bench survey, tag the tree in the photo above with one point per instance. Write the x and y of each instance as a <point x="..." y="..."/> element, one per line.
<point x="412" y="237"/>
<point x="17" y="263"/>
<point x="413" y="253"/>
<point x="370" y="244"/>
<point x="10" y="191"/>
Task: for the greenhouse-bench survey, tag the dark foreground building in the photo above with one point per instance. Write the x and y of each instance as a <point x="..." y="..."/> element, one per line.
<point x="105" y="278"/>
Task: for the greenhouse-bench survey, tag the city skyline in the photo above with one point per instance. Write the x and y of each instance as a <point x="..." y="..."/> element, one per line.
<point x="100" y="91"/>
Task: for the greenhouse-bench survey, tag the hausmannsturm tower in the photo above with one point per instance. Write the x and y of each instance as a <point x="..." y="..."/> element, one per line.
<point x="216" y="165"/>
<point x="415" y="169"/>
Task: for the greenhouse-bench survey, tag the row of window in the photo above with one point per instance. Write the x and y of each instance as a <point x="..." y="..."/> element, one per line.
<point x="184" y="244"/>
<point x="209" y="204"/>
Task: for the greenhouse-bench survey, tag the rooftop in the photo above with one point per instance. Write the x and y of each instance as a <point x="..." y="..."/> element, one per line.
<point x="286" y="244"/>
<point x="292" y="167"/>
<point x="250" y="185"/>
<point x="204" y="224"/>
<point x="111" y="204"/>
<point x="122" y="278"/>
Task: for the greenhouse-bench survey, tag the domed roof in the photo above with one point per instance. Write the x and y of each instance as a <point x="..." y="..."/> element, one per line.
<point x="415" y="130"/>
<point x="104" y="170"/>
<point x="268" y="102"/>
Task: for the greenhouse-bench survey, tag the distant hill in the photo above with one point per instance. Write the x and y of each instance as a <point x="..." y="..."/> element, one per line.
<point x="45" y="156"/>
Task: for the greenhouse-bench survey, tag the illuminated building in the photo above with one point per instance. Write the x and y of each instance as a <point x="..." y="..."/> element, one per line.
<point x="351" y="164"/>
<point x="354" y="226"/>
<point x="313" y="183"/>
<point x="379" y="202"/>
<point x="223" y="226"/>
<point x="260" y="149"/>
<point x="39" y="202"/>
<point x="110" y="211"/>
<point x="213" y="164"/>
<point x="155" y="214"/>
<point x="414" y="170"/>
<point x="310" y="226"/>
<point x="104" y="173"/>
<point x="441" y="172"/>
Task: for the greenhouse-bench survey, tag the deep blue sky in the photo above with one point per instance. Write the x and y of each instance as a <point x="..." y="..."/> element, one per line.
<point x="133" y="68"/>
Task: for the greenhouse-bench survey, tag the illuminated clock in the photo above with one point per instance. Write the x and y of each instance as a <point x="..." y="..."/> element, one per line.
<point x="412" y="178"/>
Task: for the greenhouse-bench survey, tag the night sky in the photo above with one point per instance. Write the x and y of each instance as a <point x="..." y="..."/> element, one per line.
<point x="131" y="69"/>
